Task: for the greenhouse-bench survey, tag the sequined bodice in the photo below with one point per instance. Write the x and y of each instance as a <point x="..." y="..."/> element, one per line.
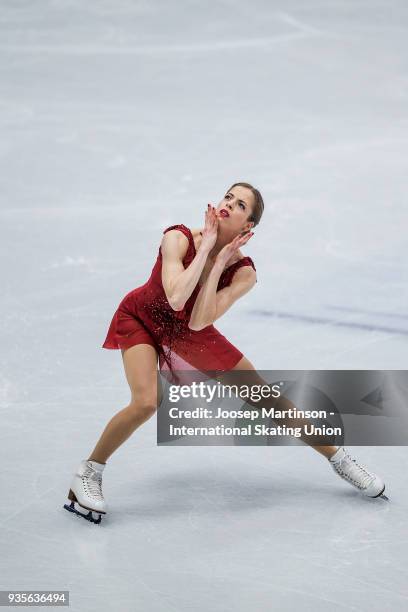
<point x="150" y="304"/>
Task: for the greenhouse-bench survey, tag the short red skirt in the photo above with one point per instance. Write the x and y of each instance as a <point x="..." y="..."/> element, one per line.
<point x="204" y="350"/>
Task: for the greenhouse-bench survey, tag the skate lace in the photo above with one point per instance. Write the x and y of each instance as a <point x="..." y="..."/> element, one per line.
<point x="93" y="483"/>
<point x="354" y="472"/>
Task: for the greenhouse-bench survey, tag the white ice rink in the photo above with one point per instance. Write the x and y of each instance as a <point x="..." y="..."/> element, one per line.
<point x="118" y="119"/>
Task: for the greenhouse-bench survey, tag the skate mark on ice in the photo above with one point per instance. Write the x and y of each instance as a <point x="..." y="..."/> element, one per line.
<point x="378" y="313"/>
<point x="332" y="322"/>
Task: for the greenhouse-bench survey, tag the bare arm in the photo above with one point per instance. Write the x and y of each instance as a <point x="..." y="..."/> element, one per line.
<point x="179" y="283"/>
<point x="210" y="304"/>
<point x="205" y="306"/>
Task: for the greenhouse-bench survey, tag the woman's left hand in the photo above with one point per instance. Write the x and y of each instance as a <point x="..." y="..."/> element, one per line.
<point x="230" y="249"/>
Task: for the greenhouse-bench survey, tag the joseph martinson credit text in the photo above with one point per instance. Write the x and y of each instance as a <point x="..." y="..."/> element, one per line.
<point x="253" y="393"/>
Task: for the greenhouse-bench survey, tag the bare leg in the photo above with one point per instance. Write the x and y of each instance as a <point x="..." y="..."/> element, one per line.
<point x="140" y="363"/>
<point x="283" y="403"/>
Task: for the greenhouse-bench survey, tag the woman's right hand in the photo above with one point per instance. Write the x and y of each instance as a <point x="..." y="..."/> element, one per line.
<point x="210" y="229"/>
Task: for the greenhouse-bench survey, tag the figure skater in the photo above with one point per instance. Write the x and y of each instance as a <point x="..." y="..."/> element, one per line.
<point x="198" y="275"/>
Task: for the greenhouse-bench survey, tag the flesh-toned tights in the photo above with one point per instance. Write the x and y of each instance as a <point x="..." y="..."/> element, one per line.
<point x="140" y="364"/>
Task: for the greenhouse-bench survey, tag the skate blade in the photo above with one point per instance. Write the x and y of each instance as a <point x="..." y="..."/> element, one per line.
<point x="89" y="517"/>
<point x="382" y="494"/>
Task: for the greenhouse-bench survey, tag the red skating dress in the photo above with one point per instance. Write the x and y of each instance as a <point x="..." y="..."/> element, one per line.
<point x="144" y="316"/>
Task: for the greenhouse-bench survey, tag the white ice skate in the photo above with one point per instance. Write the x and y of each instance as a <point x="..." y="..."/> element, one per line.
<point x="347" y="468"/>
<point x="86" y="491"/>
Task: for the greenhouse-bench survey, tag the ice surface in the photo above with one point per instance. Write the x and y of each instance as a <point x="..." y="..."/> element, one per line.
<point x="119" y="118"/>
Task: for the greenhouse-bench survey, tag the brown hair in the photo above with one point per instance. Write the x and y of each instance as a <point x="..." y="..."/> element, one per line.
<point x="258" y="208"/>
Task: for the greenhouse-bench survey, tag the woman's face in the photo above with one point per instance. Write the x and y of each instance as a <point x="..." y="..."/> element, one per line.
<point x="235" y="208"/>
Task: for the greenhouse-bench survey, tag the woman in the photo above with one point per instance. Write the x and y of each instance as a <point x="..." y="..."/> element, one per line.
<point x="197" y="277"/>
